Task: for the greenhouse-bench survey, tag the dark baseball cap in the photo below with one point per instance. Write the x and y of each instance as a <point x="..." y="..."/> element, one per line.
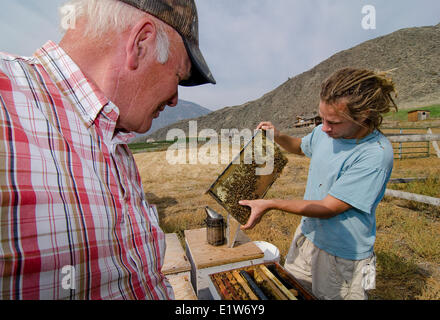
<point x="182" y="16"/>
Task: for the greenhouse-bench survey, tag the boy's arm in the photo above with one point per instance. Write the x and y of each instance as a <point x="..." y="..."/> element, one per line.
<point x="290" y="144"/>
<point x="324" y="209"/>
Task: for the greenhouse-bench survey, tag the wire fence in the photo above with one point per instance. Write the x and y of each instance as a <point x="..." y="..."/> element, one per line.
<point x="412" y="149"/>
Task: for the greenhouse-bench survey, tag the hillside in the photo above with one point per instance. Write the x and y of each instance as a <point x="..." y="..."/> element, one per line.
<point x="183" y="110"/>
<point x="413" y="52"/>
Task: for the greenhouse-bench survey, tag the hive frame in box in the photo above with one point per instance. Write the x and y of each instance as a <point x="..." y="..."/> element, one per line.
<point x="302" y="292"/>
<point x="206" y="259"/>
<point x="264" y="181"/>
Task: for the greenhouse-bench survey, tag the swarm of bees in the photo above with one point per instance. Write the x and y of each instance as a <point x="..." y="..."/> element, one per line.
<point x="242" y="181"/>
<point x="241" y="185"/>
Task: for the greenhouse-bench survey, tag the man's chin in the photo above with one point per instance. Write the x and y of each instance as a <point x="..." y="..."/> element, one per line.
<point x="330" y="135"/>
<point x="145" y="128"/>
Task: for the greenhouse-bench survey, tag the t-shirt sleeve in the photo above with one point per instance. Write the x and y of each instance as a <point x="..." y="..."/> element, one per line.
<point x="307" y="143"/>
<point x="361" y="187"/>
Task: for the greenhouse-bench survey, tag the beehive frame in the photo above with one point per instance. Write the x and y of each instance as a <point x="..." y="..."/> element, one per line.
<point x="239" y="180"/>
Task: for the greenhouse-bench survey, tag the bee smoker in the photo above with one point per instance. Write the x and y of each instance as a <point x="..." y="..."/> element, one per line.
<point x="215" y="227"/>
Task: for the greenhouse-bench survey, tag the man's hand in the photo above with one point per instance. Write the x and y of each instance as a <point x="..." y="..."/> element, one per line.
<point x="290" y="144"/>
<point x="267" y="125"/>
<point x="258" y="209"/>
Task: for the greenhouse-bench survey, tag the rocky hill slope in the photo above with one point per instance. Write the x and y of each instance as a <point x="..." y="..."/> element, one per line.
<point x="414" y="53"/>
<point x="183" y="110"/>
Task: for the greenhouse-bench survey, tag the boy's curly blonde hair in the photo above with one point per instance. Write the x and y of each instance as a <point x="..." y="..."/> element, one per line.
<point x="366" y="93"/>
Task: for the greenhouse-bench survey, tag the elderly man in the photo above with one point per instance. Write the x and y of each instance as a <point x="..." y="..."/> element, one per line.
<point x="74" y="220"/>
<point x="351" y="162"/>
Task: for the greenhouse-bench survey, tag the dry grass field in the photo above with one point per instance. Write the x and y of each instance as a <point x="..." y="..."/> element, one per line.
<point x="408" y="233"/>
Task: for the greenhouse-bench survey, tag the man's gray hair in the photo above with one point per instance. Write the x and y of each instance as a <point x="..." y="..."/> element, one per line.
<point x="112" y="15"/>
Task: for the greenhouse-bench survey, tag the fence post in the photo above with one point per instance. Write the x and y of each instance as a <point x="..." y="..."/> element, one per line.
<point x="434" y="143"/>
<point x="400" y="147"/>
<point x="412" y="196"/>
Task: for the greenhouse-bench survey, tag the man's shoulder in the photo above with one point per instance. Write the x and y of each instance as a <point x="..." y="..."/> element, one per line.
<point x="15" y="72"/>
<point x="315" y="135"/>
<point x="378" y="151"/>
<point x="9" y="62"/>
<point x="380" y="141"/>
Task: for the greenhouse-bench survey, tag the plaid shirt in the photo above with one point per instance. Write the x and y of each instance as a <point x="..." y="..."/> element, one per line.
<point x="74" y="222"/>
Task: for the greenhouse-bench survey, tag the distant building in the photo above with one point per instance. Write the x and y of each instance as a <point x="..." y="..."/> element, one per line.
<point x="417" y="115"/>
<point x="307" y="122"/>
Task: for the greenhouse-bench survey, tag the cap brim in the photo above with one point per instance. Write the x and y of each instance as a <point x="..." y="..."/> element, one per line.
<point x="200" y="73"/>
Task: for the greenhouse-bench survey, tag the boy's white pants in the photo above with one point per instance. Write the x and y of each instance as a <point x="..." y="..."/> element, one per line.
<point x="329" y="277"/>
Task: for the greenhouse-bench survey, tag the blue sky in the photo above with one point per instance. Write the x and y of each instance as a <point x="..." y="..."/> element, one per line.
<point x="251" y="46"/>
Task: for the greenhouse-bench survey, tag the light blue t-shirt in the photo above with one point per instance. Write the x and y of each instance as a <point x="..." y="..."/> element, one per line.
<point x="356" y="172"/>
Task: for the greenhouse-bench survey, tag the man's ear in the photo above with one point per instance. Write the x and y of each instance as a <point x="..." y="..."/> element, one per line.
<point x="141" y="42"/>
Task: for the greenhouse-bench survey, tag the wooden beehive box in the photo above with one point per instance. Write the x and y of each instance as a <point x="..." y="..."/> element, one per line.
<point x="266" y="281"/>
<point x="175" y="261"/>
<point x="206" y="259"/>
<point x="177" y="269"/>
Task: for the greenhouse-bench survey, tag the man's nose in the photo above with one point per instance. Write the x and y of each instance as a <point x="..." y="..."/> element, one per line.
<point x="325" y="127"/>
